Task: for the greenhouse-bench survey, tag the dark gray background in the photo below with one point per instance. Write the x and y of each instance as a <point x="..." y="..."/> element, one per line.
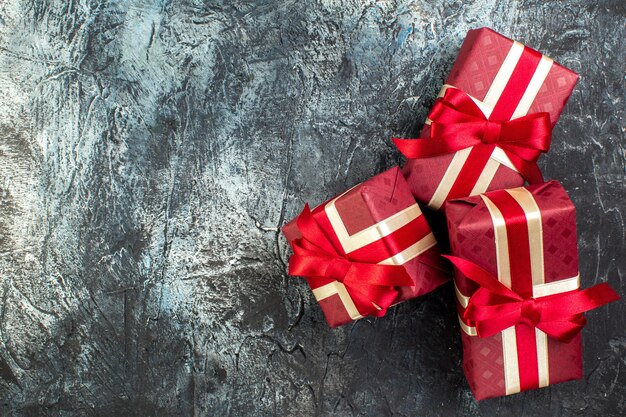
<point x="150" y="150"/>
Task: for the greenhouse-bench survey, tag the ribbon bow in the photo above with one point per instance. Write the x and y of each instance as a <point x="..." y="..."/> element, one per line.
<point x="494" y="308"/>
<point x="458" y="123"/>
<point x="371" y="286"/>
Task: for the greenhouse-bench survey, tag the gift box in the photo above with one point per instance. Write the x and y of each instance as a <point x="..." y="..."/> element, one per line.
<point x="491" y="121"/>
<point x="365" y="250"/>
<point x="517" y="287"/>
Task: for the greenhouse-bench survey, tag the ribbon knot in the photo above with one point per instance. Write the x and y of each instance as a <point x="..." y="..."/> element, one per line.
<point x="531" y="312"/>
<point x="458" y="123"/>
<point x="338" y="268"/>
<point x="494" y="307"/>
<point x="372" y="287"/>
<point x="491" y="132"/>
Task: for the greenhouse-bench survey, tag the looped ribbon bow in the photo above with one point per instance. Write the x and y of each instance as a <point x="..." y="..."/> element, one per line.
<point x="371" y="286"/>
<point x="458" y="123"/>
<point x="494" y="308"/>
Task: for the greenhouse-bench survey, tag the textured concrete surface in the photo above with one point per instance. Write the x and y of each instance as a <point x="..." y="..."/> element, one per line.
<point x="149" y="151"/>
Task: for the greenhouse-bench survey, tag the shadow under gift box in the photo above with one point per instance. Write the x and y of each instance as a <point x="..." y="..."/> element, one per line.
<point x="507" y="80"/>
<point x="491" y="364"/>
<point x="362" y="223"/>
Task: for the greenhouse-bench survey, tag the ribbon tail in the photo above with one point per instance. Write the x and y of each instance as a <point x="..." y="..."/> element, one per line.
<point x="575" y="303"/>
<point x="372" y="301"/>
<point x="481" y="277"/>
<point x="571" y="306"/>
<point x="374" y="287"/>
<point x="406" y="147"/>
<point x="528" y="169"/>
<point x="598" y="295"/>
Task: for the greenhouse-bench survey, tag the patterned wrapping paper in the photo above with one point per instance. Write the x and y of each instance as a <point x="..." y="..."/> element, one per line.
<point x="491" y="364"/>
<point x="368" y="216"/>
<point x="507" y="80"/>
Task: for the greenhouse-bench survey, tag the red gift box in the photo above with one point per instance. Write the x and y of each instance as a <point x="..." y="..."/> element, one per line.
<point x="376" y="222"/>
<point x="514" y="88"/>
<point x="525" y="239"/>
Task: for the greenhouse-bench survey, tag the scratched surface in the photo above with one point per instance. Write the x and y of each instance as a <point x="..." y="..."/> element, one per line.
<point x="149" y="150"/>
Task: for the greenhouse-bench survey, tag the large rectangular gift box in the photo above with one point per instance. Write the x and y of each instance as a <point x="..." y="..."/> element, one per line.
<point x="507" y="81"/>
<point x="526" y="237"/>
<point x="375" y="222"/>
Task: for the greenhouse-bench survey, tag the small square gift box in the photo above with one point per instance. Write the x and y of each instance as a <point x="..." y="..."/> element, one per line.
<point x="517" y="286"/>
<point x="492" y="120"/>
<point x="365" y="250"/>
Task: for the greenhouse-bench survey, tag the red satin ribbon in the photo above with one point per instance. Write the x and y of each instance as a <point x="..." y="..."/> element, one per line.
<point x="494" y="308"/>
<point x="458" y="123"/>
<point x="316" y="259"/>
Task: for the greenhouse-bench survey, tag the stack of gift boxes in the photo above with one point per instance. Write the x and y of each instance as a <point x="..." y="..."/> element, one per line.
<point x="510" y="249"/>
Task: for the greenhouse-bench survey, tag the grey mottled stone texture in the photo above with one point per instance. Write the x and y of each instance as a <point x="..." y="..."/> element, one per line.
<point x="149" y="151"/>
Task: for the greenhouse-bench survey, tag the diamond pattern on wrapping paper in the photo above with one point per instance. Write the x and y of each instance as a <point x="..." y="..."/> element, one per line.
<point x="565" y="360"/>
<point x="479" y="60"/>
<point x="554" y="92"/>
<point x="484" y="365"/>
<point x="560" y="249"/>
<point x="474" y="240"/>
<point x="387" y="195"/>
